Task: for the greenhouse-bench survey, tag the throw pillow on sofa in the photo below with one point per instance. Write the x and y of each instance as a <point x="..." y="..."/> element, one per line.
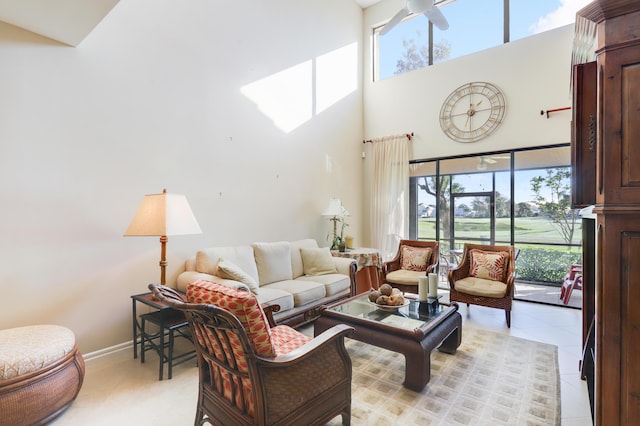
<point x="273" y="261"/>
<point x="317" y="261"/>
<point x="229" y="270"/>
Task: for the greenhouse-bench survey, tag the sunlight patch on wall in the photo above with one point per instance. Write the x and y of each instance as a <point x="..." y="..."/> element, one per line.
<point x="285" y="97"/>
<point x="291" y="97"/>
<point x="336" y="76"/>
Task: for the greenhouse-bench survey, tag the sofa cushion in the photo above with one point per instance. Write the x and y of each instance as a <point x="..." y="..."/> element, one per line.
<point x="275" y="296"/>
<point x="229" y="270"/>
<point x="303" y="292"/>
<point x="273" y="261"/>
<point x="415" y="258"/>
<point x="333" y="283"/>
<point x="489" y="265"/>
<point x="402" y="276"/>
<point x="317" y="261"/>
<point x="481" y="287"/>
<point x="243" y="304"/>
<point x="242" y="256"/>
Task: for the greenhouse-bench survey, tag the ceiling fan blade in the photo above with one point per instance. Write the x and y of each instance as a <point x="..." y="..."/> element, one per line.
<point x="436" y="17"/>
<point x="394" y="21"/>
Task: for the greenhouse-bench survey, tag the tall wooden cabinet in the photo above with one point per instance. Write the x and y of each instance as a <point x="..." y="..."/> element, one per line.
<point x="617" y="209"/>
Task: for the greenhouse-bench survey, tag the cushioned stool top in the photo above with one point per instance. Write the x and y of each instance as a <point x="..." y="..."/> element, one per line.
<point x="27" y="349"/>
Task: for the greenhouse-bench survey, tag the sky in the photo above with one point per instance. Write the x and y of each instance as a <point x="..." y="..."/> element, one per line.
<point x="481" y="182"/>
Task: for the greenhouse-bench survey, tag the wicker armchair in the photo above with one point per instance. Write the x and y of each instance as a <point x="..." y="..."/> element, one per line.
<point x="414" y="259"/>
<point x="254" y="374"/>
<point x="487" y="280"/>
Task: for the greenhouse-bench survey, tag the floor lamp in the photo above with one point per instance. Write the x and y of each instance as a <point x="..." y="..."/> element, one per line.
<point x="163" y="215"/>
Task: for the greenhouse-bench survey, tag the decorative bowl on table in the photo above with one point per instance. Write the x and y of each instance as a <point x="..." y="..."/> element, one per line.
<point x="387" y="298"/>
<point x="390" y="308"/>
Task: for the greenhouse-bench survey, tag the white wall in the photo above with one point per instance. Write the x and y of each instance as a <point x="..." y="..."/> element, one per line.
<point x="152" y="99"/>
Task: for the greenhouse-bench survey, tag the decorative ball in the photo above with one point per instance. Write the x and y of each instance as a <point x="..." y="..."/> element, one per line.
<point x="386" y="289"/>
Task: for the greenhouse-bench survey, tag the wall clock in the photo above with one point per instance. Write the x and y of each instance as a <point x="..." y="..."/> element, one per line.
<point x="472" y="112"/>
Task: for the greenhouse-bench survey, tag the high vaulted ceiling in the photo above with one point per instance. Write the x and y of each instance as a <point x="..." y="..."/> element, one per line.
<point x="366" y="3"/>
<point x="67" y="21"/>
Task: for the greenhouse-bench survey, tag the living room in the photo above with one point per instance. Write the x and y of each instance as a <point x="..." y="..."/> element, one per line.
<point x="179" y="95"/>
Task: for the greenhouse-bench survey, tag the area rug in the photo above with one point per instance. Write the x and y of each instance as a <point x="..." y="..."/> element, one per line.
<point x="492" y="379"/>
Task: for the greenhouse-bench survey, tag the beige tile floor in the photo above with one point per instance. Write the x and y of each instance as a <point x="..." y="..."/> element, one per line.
<point x="118" y="390"/>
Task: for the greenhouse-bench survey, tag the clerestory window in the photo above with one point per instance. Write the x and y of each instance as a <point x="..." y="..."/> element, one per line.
<point x="474" y="25"/>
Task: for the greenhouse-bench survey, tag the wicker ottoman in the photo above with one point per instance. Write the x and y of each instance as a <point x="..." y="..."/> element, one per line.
<point x="41" y="372"/>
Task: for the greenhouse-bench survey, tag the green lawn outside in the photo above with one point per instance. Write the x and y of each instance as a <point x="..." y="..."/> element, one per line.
<point x="544" y="255"/>
<point x="527" y="230"/>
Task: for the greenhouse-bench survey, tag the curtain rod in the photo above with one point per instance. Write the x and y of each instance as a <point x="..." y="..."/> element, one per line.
<point x="553" y="110"/>
<point x="408" y="135"/>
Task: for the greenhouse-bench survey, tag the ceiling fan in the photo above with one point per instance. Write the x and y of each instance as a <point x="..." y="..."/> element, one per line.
<point x="483" y="161"/>
<point x="426" y="7"/>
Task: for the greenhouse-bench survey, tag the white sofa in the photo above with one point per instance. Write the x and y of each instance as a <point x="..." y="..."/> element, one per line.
<point x="298" y="276"/>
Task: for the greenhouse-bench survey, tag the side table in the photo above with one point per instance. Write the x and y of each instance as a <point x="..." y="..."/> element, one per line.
<point x="170" y="322"/>
<point x="369" y="267"/>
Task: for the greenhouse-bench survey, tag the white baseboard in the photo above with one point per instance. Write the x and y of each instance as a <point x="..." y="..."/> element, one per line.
<point x="108" y="351"/>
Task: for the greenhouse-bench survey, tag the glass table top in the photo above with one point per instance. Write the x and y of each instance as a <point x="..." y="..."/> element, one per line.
<point x="413" y="316"/>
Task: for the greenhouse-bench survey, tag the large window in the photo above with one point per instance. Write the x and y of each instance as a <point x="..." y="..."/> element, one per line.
<point x="519" y="198"/>
<point x="474" y="25"/>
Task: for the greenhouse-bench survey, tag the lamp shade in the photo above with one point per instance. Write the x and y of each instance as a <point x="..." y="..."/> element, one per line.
<point x="335" y="209"/>
<point x="163" y="215"/>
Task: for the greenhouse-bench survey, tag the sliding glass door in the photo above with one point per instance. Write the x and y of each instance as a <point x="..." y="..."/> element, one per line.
<point x="473" y="218"/>
<point x="518" y="198"/>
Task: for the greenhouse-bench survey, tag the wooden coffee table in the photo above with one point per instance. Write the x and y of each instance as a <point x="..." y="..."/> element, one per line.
<point x="413" y="331"/>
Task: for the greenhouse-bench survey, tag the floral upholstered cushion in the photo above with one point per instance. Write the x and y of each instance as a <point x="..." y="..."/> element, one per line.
<point x="243" y="305"/>
<point x="285" y="339"/>
<point x="488" y="264"/>
<point x="415" y="258"/>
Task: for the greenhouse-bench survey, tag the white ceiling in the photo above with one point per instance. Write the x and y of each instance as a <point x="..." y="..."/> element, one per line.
<point x="67" y="21"/>
<point x="366" y="3"/>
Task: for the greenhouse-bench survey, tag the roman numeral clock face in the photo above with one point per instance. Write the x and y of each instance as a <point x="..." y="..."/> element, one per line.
<point x="472" y="112"/>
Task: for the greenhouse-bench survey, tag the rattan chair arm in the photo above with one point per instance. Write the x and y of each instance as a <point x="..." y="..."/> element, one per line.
<point x="391" y="265"/>
<point x="268" y="311"/>
<point x="459" y="271"/>
<point x="334" y="335"/>
<point x="313" y="378"/>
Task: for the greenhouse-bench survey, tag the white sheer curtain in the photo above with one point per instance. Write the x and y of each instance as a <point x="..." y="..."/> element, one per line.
<point x="390" y="192"/>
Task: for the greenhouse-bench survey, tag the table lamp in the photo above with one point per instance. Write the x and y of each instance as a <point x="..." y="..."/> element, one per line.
<point x="336" y="212"/>
<point x="163" y="215"/>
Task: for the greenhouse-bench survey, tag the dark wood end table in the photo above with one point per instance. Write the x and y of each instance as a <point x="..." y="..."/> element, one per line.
<point x="414" y="331"/>
<point x="170" y="322"/>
